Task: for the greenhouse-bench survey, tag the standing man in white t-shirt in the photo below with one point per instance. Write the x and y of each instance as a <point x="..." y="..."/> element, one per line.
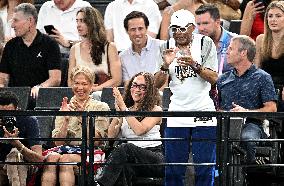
<point x="117" y="10"/>
<point x="62" y="15"/>
<point x="192" y="67"/>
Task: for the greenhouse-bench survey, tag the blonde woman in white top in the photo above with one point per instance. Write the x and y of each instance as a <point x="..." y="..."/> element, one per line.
<point x="94" y="51"/>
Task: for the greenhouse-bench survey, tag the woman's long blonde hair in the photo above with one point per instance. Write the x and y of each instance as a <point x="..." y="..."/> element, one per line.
<point x="267" y="44"/>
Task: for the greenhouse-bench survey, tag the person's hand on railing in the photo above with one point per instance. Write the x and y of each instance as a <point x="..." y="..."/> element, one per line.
<point x="238" y="108"/>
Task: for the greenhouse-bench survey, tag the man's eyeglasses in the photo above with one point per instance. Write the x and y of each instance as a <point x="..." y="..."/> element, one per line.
<point x="180" y="29"/>
<point x="140" y="87"/>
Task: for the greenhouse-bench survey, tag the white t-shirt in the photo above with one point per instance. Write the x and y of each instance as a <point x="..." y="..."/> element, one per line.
<point x="192" y="93"/>
<point x="117" y="10"/>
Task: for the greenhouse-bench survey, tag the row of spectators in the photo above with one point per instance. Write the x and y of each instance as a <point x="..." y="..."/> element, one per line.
<point x="192" y="61"/>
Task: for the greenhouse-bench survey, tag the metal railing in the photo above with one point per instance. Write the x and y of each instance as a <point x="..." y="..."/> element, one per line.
<point x="222" y="138"/>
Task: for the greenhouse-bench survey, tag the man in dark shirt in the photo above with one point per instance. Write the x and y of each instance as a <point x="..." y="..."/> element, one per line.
<point x="17" y="150"/>
<point x="246" y="89"/>
<point x="31" y="58"/>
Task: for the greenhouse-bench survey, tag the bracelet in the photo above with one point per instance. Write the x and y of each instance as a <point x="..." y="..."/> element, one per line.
<point x="22" y="148"/>
<point x="164" y="70"/>
<point x="71" y="43"/>
<point x="196" y="67"/>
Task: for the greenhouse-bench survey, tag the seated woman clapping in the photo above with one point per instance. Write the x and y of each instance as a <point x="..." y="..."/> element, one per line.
<point x="71" y="127"/>
<point x="140" y="95"/>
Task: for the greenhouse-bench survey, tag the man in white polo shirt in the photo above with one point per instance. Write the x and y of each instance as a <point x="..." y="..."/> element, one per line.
<point x="117" y="10"/>
<point x="144" y="54"/>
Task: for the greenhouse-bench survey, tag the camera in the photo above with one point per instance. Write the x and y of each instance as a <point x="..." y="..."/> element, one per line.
<point x="9" y="122"/>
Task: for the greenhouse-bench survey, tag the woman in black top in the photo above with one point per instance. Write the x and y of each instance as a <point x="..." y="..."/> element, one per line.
<point x="270" y="48"/>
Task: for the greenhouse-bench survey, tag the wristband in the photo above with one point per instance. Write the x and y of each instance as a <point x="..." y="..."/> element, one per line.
<point x="196" y="67"/>
<point x="71" y="43"/>
<point x="22" y="148"/>
<point x="164" y="70"/>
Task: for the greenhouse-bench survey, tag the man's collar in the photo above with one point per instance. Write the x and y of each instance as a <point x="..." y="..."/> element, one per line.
<point x="75" y="5"/>
<point x="147" y="47"/>
<point x="252" y="68"/>
<point x="36" y="40"/>
<point x="224" y="34"/>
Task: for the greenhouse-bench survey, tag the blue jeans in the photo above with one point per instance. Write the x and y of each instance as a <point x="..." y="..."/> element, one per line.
<point x="178" y="152"/>
<point x="251" y="131"/>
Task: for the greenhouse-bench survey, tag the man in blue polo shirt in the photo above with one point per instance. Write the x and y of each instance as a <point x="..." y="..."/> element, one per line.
<point x="246" y="89"/>
<point x="31" y="58"/>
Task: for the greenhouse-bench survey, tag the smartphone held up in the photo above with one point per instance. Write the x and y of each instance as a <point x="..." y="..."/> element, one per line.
<point x="48" y="29"/>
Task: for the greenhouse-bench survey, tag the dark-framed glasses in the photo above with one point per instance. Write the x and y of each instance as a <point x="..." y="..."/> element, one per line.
<point x="175" y="29"/>
<point x="141" y="87"/>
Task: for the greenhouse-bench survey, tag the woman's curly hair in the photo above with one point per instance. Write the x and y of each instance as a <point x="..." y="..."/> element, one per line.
<point x="151" y="97"/>
<point x="96" y="32"/>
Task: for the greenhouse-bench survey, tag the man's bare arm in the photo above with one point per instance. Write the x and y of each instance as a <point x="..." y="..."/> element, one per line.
<point x="32" y="155"/>
<point x="53" y="81"/>
<point x="209" y="75"/>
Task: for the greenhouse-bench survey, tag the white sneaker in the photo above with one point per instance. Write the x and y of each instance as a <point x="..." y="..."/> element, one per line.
<point x="265" y="126"/>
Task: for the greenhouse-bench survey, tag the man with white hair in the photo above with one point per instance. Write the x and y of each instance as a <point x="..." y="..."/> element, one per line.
<point x="192" y="67"/>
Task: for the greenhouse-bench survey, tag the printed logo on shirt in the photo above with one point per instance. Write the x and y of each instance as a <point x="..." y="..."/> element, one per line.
<point x="39" y="55"/>
<point x="184" y="72"/>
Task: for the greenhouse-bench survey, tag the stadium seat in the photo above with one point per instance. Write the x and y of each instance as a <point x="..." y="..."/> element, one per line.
<point x="23" y="94"/>
<point x="235" y="26"/>
<point x="107" y="96"/>
<point x="50" y="98"/>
